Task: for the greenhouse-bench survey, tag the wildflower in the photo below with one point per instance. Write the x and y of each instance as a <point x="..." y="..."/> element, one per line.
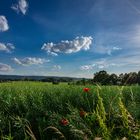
<point x="64" y="122"/>
<point x="82" y="113"/>
<point x="86" y="89"/>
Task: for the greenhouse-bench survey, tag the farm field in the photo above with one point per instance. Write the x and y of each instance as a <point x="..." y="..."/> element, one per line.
<point x="45" y="111"/>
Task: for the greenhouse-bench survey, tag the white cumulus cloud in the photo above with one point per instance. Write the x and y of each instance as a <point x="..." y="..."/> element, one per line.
<point x="66" y="46"/>
<point x="7" y="47"/>
<point x="3" y="24"/>
<point x="21" y="6"/>
<point x="29" y="61"/>
<point x="5" y="68"/>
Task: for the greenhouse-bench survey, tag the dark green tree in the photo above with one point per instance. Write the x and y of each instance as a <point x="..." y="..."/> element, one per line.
<point x="113" y="79"/>
<point x="120" y="79"/>
<point x="101" y="77"/>
<point x="138" y="78"/>
<point x="133" y="78"/>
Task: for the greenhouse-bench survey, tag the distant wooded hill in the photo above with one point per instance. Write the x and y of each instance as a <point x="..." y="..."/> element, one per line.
<point x="37" y="78"/>
<point x="101" y="77"/>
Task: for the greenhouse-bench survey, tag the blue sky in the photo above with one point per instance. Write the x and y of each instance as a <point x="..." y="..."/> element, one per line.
<point x="69" y="37"/>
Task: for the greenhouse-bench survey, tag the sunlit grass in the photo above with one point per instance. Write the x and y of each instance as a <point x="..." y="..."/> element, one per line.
<point x="44" y="104"/>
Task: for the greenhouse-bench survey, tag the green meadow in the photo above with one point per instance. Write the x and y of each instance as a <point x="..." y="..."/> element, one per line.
<point x="46" y="111"/>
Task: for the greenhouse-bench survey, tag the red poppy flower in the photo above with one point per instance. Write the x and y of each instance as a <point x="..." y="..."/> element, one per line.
<point x="82" y="113"/>
<point x="86" y="89"/>
<point x="64" y="122"/>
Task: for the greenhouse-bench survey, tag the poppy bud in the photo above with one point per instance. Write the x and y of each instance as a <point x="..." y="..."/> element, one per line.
<point x="64" y="122"/>
<point x="86" y="89"/>
<point x="82" y="113"/>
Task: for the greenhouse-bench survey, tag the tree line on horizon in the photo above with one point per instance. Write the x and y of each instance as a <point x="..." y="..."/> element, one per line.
<point x="104" y="78"/>
<point x="122" y="79"/>
<point x="101" y="77"/>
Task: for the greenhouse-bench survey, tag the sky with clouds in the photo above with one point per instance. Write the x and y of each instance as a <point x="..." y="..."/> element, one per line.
<point x="74" y="38"/>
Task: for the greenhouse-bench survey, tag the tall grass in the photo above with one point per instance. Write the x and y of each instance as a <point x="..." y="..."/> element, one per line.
<point x="27" y="109"/>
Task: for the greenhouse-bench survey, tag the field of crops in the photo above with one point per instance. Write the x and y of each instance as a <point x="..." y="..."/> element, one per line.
<point x="43" y="111"/>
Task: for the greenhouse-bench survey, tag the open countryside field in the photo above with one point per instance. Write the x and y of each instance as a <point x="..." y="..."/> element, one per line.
<point x="69" y="69"/>
<point x="44" y="111"/>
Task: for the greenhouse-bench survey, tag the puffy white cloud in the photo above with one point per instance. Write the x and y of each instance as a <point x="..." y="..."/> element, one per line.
<point x="3" y="24"/>
<point x="17" y="61"/>
<point x="21" y="6"/>
<point x="73" y="46"/>
<point x="5" y="68"/>
<point x="52" y="53"/>
<point x="29" y="61"/>
<point x="7" y="47"/>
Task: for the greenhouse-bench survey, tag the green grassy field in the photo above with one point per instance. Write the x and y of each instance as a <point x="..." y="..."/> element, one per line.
<point x="43" y="111"/>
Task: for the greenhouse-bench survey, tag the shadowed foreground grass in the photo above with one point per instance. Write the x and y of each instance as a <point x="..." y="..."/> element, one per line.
<point x="43" y="111"/>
